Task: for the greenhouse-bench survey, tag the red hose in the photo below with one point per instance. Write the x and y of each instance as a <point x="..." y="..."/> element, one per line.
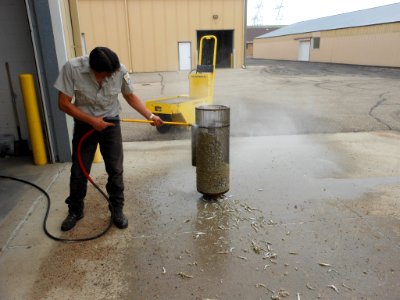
<point x="83" y="138"/>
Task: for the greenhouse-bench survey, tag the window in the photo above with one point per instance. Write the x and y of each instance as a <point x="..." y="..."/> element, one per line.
<point x="316" y="42"/>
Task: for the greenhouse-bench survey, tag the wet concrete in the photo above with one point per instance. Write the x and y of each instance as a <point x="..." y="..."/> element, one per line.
<point x="306" y="214"/>
<point x="274" y="228"/>
<point x="296" y="202"/>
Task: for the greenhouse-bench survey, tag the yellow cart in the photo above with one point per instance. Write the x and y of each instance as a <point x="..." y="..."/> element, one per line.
<point x="181" y="108"/>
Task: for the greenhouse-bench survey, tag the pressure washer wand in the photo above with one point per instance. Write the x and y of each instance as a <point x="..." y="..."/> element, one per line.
<point x="116" y="119"/>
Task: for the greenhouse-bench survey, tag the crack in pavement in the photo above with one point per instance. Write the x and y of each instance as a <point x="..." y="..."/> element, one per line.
<point x="377" y="104"/>
<point x="162" y="83"/>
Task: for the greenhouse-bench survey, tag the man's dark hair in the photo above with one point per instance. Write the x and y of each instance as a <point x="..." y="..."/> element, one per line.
<point x="103" y="59"/>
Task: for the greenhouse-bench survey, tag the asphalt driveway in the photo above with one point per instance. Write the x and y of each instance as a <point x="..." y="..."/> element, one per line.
<point x="285" y="97"/>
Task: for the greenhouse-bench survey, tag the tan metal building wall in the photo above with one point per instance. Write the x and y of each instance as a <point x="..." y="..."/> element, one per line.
<point x="377" y="45"/>
<point x="145" y="33"/>
<point x="249" y="50"/>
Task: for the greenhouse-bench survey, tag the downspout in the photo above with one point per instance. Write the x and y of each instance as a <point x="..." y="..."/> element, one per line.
<point x="244" y="33"/>
<point x="129" y="37"/>
<point x="76" y="31"/>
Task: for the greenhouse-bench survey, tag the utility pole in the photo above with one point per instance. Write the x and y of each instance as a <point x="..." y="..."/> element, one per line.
<point x="278" y="8"/>
<point x="258" y="18"/>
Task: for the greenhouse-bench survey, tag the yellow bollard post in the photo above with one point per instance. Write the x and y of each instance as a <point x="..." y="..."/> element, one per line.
<point x="33" y="119"/>
<point x="97" y="156"/>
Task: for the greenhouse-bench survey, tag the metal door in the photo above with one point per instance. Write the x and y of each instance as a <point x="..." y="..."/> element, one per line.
<point x="185" y="59"/>
<point x="304" y="50"/>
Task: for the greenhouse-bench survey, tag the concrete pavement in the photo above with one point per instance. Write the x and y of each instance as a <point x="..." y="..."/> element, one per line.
<point x="304" y="214"/>
<point x="308" y="216"/>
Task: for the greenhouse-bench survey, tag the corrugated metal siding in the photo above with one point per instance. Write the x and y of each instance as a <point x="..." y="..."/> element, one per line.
<point x="279" y="48"/>
<point x="156" y="27"/>
<point x="367" y="30"/>
<point x="372" y="45"/>
<point x="104" y="24"/>
<point x="377" y="45"/>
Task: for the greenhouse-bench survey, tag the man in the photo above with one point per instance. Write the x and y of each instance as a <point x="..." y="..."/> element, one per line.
<point x="88" y="91"/>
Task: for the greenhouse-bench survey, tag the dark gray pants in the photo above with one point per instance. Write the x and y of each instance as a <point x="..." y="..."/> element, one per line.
<point x="110" y="141"/>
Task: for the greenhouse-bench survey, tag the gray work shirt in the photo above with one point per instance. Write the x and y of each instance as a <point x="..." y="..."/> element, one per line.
<point x="77" y="80"/>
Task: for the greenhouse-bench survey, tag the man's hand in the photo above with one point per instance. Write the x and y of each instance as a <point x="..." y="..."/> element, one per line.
<point x="157" y="120"/>
<point x="65" y="105"/>
<point x="99" y="124"/>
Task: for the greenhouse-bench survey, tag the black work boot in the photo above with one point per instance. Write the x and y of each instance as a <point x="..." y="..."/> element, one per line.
<point x="70" y="221"/>
<point x="119" y="219"/>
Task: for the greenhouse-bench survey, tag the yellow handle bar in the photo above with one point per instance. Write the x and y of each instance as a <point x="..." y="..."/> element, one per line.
<point x="149" y="121"/>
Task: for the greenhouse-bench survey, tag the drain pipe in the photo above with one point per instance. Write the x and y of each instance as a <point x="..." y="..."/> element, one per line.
<point x="129" y="36"/>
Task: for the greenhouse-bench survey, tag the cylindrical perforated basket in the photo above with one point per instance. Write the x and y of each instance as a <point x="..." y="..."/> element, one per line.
<point x="211" y="149"/>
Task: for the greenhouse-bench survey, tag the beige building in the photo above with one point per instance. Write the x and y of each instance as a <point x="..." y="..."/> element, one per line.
<point x="254" y="31"/>
<point x="364" y="37"/>
<point x="157" y="35"/>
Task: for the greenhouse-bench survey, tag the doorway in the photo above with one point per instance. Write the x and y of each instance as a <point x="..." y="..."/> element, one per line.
<point x="225" y="55"/>
<point x="304" y="50"/>
<point x="185" y="58"/>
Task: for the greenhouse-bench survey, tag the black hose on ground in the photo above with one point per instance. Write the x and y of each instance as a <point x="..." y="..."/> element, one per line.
<point x="49" y="201"/>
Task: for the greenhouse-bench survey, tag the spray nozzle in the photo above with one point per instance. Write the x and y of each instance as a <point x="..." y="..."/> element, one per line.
<point x="112" y="119"/>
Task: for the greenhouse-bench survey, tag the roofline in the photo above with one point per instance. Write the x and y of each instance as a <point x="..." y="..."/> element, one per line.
<point x="339" y="28"/>
<point x="385" y="14"/>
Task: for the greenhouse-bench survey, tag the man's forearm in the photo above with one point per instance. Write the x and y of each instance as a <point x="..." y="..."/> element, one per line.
<point x="138" y="105"/>
<point x="65" y="105"/>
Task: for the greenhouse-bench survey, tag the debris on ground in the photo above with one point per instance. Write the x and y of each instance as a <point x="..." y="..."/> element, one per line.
<point x="222" y="215"/>
<point x="256" y="248"/>
<point x="325" y="265"/>
<point x="333" y="288"/>
<point x="185" y="276"/>
<point x="347" y="287"/>
<point x="310" y="287"/>
<point x="282" y="293"/>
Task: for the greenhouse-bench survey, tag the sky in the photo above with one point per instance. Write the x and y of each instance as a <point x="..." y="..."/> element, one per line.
<point x="286" y="12"/>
